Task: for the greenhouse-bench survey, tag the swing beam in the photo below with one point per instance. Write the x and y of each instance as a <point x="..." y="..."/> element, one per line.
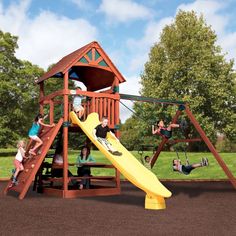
<point x="150" y="99"/>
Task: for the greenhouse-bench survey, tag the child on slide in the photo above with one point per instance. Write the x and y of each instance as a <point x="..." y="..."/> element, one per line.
<point x="100" y="134"/>
<point x="186" y="169"/>
<point x="18" y="161"/>
<point x="34" y="132"/>
<point x="162" y="130"/>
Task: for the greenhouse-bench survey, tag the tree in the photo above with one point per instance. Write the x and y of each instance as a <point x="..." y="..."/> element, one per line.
<point x="18" y="92"/>
<point x="187" y="64"/>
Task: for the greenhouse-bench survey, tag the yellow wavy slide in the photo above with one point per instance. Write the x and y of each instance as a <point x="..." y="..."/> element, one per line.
<point x="127" y="164"/>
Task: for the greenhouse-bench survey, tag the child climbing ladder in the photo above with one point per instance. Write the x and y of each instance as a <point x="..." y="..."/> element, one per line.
<point x="18" y="161"/>
<point x="34" y="132"/>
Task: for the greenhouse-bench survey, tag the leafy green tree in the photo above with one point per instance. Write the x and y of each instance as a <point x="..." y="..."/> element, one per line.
<point x="187" y="64"/>
<point x="18" y="92"/>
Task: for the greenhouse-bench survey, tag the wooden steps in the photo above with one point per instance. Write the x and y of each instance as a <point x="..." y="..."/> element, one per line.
<point x="32" y="164"/>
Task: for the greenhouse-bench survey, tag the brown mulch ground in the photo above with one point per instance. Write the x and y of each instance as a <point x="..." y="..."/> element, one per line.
<point x="194" y="209"/>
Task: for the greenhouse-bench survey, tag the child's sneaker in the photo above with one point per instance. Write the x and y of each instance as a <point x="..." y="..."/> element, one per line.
<point x="32" y="153"/>
<point x="116" y="153"/>
<point x="14" y="181"/>
<point x="206" y="163"/>
<point x="202" y="162"/>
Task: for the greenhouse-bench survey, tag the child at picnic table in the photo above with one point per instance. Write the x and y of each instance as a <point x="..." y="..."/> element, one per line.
<point x="83" y="169"/>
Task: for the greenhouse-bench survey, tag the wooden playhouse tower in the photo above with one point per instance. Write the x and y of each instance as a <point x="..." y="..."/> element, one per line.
<point x="91" y="66"/>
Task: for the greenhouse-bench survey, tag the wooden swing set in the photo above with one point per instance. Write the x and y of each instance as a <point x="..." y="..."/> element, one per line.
<point x="91" y="66"/>
<point x="183" y="107"/>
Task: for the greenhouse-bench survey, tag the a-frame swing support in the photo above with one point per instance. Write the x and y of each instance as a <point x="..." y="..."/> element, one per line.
<point x="183" y="107"/>
<point x="204" y="138"/>
<point x="210" y="146"/>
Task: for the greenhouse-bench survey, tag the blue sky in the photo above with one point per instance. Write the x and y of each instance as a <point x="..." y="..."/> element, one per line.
<point x="126" y="29"/>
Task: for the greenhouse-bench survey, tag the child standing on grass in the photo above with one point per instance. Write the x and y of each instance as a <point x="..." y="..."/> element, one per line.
<point x="18" y="160"/>
<point x="34" y="132"/>
<point x="146" y="161"/>
<point x="100" y="134"/>
<point x="186" y="169"/>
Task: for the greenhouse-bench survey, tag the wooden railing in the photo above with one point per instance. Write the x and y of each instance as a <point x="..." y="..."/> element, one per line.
<point x="104" y="107"/>
<point x="104" y="104"/>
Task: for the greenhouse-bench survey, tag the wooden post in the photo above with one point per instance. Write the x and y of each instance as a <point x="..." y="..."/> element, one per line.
<point x="93" y="109"/>
<point x="117" y="118"/>
<point x="41" y="95"/>
<point x="100" y="108"/>
<point x="65" y="136"/>
<point x="211" y="147"/>
<point x="51" y="112"/>
<point x="117" y="178"/>
<point x="96" y="105"/>
<point x="164" y="141"/>
<point x="109" y="110"/>
<point x="117" y="107"/>
<point x="105" y="106"/>
<point x="112" y="121"/>
<point x="157" y="153"/>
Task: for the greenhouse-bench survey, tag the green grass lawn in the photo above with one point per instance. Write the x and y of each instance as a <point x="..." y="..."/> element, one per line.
<point x="162" y="168"/>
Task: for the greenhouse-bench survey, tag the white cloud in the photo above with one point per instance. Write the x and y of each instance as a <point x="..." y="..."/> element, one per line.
<point x="124" y="10"/>
<point x="228" y="45"/>
<point x="131" y="86"/>
<point x="125" y="113"/>
<point x="13" y="17"/>
<point x="142" y="45"/>
<point x="212" y="12"/>
<point x="209" y="9"/>
<point x="82" y="4"/>
<point x="46" y="38"/>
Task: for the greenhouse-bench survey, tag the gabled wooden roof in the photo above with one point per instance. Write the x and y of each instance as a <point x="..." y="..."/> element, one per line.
<point x="90" y="65"/>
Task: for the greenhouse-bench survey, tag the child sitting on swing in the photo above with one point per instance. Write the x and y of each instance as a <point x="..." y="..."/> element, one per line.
<point x="162" y="130"/>
<point x="186" y="169"/>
